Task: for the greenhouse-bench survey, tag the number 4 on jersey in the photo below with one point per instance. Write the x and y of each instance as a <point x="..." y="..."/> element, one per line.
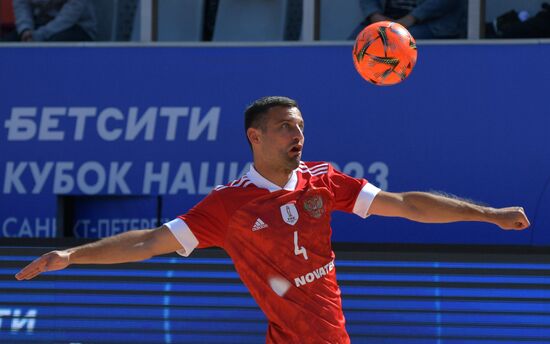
<point x="297" y="249"/>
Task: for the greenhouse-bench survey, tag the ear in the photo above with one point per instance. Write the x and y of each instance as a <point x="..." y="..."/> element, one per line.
<point x="253" y="135"/>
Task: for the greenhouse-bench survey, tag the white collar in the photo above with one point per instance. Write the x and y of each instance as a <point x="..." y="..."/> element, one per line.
<point x="259" y="180"/>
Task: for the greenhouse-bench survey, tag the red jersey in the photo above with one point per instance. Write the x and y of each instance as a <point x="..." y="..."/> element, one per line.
<point x="280" y="242"/>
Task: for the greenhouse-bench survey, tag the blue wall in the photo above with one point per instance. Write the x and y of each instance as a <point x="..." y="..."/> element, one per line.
<point x="471" y="120"/>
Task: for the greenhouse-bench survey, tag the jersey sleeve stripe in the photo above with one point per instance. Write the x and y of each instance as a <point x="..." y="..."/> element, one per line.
<point x="318" y="167"/>
<point x="364" y="200"/>
<point x="315" y="170"/>
<point x="183" y="234"/>
<point x="318" y="172"/>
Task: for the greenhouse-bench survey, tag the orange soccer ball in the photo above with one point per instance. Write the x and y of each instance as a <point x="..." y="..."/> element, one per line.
<point x="384" y="53"/>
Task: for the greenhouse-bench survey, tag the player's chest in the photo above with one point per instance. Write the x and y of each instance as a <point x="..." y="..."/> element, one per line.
<point x="280" y="215"/>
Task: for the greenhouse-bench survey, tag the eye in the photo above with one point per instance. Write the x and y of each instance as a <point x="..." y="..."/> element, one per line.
<point x="285" y="125"/>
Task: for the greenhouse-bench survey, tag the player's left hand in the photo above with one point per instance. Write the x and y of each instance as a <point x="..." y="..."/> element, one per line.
<point x="511" y="218"/>
<point x="26" y="36"/>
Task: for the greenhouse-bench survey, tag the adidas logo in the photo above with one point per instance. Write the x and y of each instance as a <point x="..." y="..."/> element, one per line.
<point x="259" y="224"/>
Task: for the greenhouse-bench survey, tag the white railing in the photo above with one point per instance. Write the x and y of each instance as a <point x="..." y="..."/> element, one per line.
<point x="310" y="21"/>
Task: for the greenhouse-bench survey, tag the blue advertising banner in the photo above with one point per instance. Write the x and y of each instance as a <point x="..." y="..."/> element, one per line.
<point x="389" y="297"/>
<point x="471" y="120"/>
<point x="117" y="214"/>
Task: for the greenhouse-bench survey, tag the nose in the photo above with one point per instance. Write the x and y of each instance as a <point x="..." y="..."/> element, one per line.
<point x="298" y="133"/>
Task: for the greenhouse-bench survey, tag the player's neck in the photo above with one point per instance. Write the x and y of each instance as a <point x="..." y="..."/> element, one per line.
<point x="277" y="175"/>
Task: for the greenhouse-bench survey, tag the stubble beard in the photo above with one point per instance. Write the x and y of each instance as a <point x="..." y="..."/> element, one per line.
<point x="292" y="163"/>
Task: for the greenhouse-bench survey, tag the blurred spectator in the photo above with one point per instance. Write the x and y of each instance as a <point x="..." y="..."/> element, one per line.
<point x="7" y="21"/>
<point x="425" y="19"/>
<point x="520" y="25"/>
<point x="210" y="12"/>
<point x="53" y="20"/>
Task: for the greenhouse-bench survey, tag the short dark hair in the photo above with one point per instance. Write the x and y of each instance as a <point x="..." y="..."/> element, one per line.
<point x="254" y="115"/>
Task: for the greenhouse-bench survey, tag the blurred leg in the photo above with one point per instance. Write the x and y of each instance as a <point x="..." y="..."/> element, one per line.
<point x="421" y="31"/>
<point x="12" y="36"/>
<point x="72" y="34"/>
<point x="358" y="29"/>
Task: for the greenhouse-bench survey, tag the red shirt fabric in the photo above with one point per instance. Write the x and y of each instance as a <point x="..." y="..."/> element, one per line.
<point x="280" y="242"/>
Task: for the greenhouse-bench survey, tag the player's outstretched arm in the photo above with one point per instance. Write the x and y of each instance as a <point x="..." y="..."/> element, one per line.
<point x="433" y="208"/>
<point x="131" y="246"/>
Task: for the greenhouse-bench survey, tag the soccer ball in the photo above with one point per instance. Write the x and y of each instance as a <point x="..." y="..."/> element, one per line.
<point x="384" y="53"/>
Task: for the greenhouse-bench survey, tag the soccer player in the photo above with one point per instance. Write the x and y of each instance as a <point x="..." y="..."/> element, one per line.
<point x="274" y="222"/>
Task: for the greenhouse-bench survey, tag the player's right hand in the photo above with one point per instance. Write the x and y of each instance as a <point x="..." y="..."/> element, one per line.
<point x="54" y="260"/>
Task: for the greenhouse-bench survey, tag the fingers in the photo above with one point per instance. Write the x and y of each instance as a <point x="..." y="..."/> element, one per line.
<point x="28" y="274"/>
<point x="517" y="225"/>
<point x="514" y="218"/>
<point x="35" y="268"/>
<point x="520" y="225"/>
<point x="523" y="221"/>
<point x="52" y="261"/>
